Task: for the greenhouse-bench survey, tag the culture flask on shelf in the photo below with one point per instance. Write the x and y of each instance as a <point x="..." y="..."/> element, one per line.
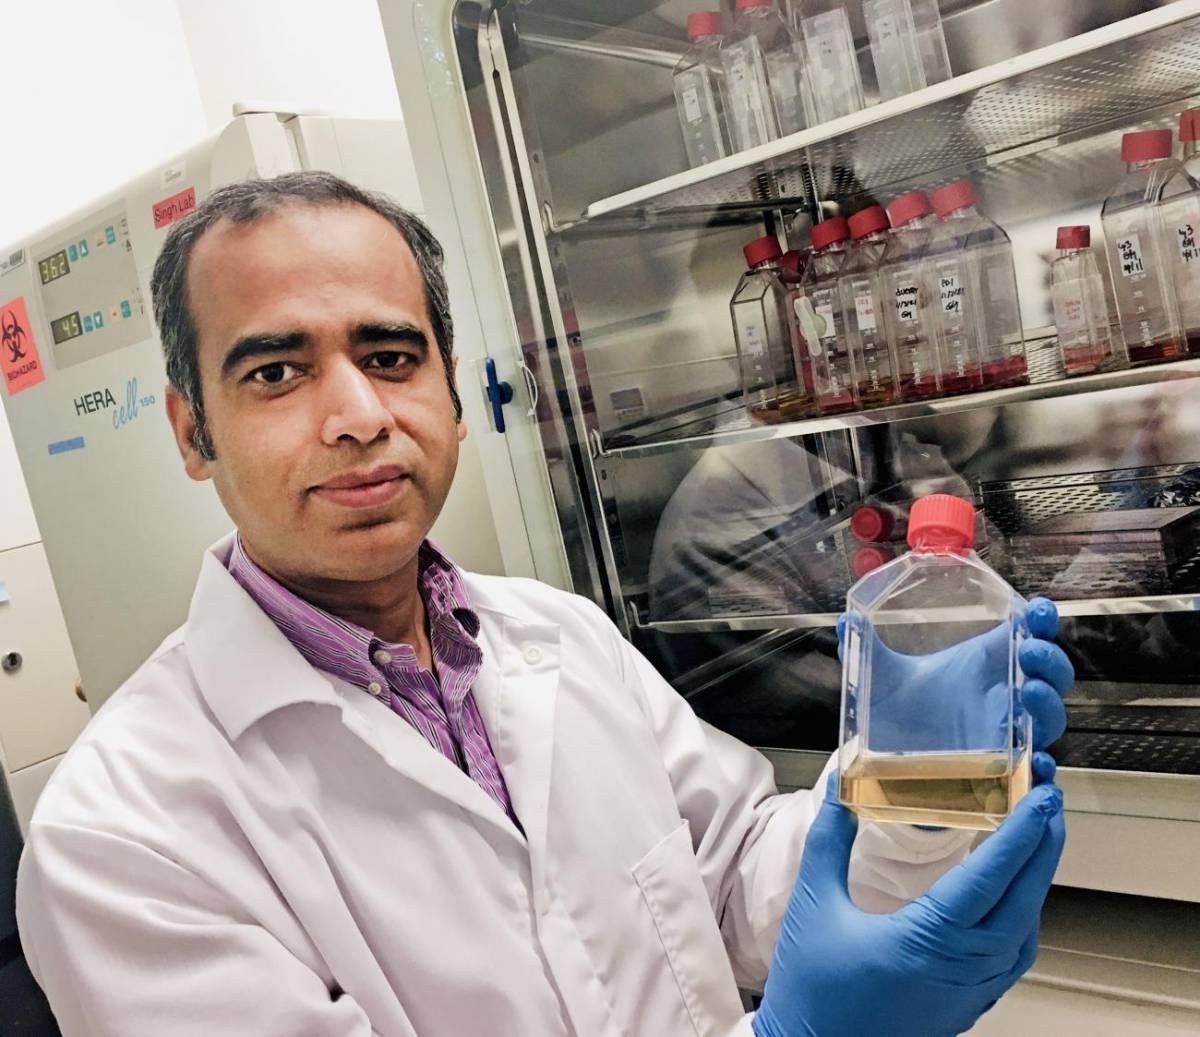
<point x="933" y="731"/>
<point x="1143" y="286"/>
<point x="814" y="312"/>
<point x="830" y="60"/>
<point x="908" y="298"/>
<point x="1181" y="222"/>
<point x="908" y="45"/>
<point x="871" y="354"/>
<point x="697" y="80"/>
<point x="979" y="312"/>
<point x="1080" y="307"/>
<point x="771" y="390"/>
<point x="764" y="80"/>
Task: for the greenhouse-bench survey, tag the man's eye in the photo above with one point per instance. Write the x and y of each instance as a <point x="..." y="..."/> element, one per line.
<point x="389" y="360"/>
<point x="273" y="374"/>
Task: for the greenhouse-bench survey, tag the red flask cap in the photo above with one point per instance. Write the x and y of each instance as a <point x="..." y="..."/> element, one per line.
<point x="704" y="23"/>
<point x="1146" y="145"/>
<point x="940" y="520"/>
<point x="1074" y="237"/>
<point x="743" y="4"/>
<point x="760" y="250"/>
<point x="871" y="525"/>
<point x="829" y="232"/>
<point x="868" y="559"/>
<point x="908" y="207"/>
<point x="868" y="221"/>
<point x="1189" y="125"/>
<point x="958" y="195"/>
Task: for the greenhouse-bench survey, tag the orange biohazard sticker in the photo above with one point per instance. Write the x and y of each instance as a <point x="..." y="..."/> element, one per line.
<point x="19" y="361"/>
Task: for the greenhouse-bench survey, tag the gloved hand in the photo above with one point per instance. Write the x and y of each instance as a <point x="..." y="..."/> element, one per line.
<point x="936" y="965"/>
<point x="932" y="687"/>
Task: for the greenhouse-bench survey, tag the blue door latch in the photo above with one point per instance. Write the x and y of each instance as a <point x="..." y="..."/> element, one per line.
<point x="498" y="393"/>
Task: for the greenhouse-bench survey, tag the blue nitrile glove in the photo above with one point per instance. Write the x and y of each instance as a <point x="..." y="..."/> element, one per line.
<point x="936" y="965"/>
<point x="932" y="688"/>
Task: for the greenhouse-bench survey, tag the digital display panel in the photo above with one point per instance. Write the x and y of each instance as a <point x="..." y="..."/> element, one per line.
<point x="65" y="328"/>
<point x="53" y="267"/>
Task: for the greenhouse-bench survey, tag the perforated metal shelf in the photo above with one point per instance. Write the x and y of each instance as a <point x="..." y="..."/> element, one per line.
<point x="726" y="422"/>
<point x="1103" y="77"/>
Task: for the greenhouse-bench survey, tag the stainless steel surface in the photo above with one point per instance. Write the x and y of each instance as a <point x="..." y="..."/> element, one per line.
<point x="1114" y="73"/>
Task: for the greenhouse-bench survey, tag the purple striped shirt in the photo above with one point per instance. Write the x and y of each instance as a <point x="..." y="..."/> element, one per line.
<point x="443" y="711"/>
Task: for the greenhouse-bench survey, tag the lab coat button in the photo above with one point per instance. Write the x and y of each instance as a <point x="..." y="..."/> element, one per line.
<point x="532" y="654"/>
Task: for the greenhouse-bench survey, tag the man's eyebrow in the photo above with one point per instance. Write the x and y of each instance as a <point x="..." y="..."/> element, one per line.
<point x="387" y="331"/>
<point x="261" y="345"/>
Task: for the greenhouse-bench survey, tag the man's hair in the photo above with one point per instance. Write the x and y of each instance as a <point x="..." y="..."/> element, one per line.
<point x="250" y="200"/>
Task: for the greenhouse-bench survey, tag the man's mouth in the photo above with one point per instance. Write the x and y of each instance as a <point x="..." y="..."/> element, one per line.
<point x="365" y="487"/>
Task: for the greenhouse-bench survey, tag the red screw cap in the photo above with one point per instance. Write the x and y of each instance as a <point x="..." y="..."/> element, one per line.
<point x="868" y="221"/>
<point x="742" y="4"/>
<point x="1074" y="237"/>
<point x="908" y="207"/>
<point x="871" y="524"/>
<point x="868" y="559"/>
<point x="1189" y="125"/>
<point x="704" y="23"/>
<point x="1146" y="145"/>
<point x="940" y="520"/>
<point x="760" y="250"/>
<point x="829" y="232"/>
<point x="958" y="195"/>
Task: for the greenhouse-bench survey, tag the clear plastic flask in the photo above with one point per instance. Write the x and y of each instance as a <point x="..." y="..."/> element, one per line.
<point x="933" y="731"/>
<point x="771" y="390"/>
<point x="908" y="45"/>
<point x="980" y="313"/>
<point x="1143" y="284"/>
<point x="764" y="81"/>
<point x="908" y="298"/>
<point x="862" y="311"/>
<point x="1080" y="308"/>
<point x="830" y="60"/>
<point x="697" y="80"/>
<point x="818" y="332"/>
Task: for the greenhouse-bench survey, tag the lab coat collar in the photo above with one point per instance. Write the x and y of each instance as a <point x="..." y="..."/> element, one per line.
<point x="245" y="666"/>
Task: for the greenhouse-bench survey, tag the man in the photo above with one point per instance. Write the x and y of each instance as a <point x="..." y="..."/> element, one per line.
<point x="361" y="792"/>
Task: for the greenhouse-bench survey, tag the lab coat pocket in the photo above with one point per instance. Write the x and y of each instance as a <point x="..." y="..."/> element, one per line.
<point x="669" y="879"/>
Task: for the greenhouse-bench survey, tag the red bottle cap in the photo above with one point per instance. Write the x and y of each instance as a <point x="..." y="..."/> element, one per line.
<point x="1074" y="237"/>
<point x="940" y="520"/>
<point x="871" y="524"/>
<point x="868" y="221"/>
<point x="829" y="232"/>
<point x="793" y="262"/>
<point x="958" y="195"/>
<point x="704" y="23"/>
<point x="760" y="250"/>
<point x="741" y="4"/>
<point x="1146" y="145"/>
<point x="1189" y="125"/>
<point x="908" y="207"/>
<point x="868" y="559"/>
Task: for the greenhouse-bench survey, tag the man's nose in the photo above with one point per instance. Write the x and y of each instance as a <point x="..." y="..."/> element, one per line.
<point x="351" y="405"/>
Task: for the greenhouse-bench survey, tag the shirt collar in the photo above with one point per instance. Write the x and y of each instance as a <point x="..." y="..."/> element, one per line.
<point x="341" y="647"/>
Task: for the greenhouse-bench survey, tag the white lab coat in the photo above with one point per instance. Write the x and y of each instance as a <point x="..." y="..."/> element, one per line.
<point x="240" y="844"/>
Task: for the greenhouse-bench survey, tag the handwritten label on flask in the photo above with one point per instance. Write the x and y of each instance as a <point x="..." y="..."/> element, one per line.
<point x="906" y="302"/>
<point x="864" y="305"/>
<point x="1129" y="248"/>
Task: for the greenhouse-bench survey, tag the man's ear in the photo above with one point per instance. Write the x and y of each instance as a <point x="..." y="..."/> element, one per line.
<point x="462" y="425"/>
<point x="183" y="424"/>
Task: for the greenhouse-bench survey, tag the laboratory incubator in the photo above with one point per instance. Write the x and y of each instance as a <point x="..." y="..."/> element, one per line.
<point x="610" y="258"/>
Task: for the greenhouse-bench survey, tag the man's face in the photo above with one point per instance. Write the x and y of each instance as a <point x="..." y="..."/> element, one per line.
<point x="326" y="397"/>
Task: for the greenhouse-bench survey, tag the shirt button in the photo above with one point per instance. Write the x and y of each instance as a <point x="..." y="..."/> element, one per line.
<point x="532" y="654"/>
<point x="382" y="658"/>
<point x="375" y="688"/>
